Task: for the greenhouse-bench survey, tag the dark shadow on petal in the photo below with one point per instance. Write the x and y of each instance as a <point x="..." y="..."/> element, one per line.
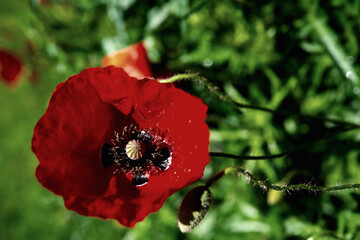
<point x="106" y="155"/>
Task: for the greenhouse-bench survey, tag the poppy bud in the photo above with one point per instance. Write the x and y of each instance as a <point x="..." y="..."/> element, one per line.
<point x="194" y="207"/>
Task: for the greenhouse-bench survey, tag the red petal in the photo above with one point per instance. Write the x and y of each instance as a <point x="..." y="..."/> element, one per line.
<point x="122" y="202"/>
<point x="132" y="59"/>
<point x="113" y="86"/>
<point x="10" y="67"/>
<point x="68" y="137"/>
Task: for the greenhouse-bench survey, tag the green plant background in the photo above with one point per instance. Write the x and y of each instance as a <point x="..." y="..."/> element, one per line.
<point x="299" y="56"/>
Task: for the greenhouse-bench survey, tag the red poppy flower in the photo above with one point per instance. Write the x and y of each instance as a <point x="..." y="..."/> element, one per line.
<point x="133" y="59"/>
<point x="116" y="147"/>
<point x="10" y="67"/>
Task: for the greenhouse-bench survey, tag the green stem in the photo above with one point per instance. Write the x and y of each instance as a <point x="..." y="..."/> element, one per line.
<point x="283" y="188"/>
<point x="315" y="188"/>
<point x="226" y="98"/>
<point x="178" y="77"/>
<point x="286" y="188"/>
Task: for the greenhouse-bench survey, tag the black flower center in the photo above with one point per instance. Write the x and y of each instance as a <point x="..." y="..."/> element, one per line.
<point x="140" y="152"/>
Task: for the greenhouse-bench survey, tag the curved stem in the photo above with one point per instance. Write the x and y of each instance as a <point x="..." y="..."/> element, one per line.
<point x="265" y="185"/>
<point x="287" y="188"/>
<point x="227" y="98"/>
<point x="214" y="178"/>
<point x="178" y="77"/>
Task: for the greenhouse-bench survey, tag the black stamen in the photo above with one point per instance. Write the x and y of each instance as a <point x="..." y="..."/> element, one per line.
<point x="156" y="154"/>
<point x="107" y="158"/>
<point x="139" y="180"/>
<point x="162" y="158"/>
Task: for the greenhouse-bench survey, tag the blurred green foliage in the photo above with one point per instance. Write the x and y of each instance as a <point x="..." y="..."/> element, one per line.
<point x="299" y="56"/>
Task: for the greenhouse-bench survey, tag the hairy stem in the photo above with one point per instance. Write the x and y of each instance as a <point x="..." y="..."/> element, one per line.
<point x="265" y="185"/>
<point x="226" y="98"/>
<point x="178" y="77"/>
<point x="287" y="188"/>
